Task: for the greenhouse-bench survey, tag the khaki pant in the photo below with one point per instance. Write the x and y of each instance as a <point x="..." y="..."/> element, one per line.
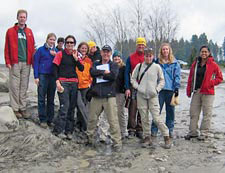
<point x="120" y="101"/>
<point x="198" y="102"/>
<point x="18" y="84"/>
<point x="151" y="105"/>
<point x="97" y="105"/>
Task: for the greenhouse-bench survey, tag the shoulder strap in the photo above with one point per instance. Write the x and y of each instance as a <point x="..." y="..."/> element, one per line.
<point x="139" y="71"/>
<point x="139" y="81"/>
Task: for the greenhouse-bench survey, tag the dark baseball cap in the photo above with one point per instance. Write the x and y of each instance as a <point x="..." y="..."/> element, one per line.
<point x="107" y="47"/>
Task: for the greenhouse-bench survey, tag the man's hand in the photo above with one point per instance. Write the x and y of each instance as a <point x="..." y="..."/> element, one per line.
<point x="8" y="66"/>
<point x="106" y="72"/>
<point x="127" y="93"/>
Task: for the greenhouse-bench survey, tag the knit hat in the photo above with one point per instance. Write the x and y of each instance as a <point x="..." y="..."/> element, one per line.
<point x="140" y="40"/>
<point x="91" y="44"/>
<point x="116" y="53"/>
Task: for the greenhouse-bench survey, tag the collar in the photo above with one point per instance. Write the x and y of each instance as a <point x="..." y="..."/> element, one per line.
<point x="139" y="53"/>
<point x="67" y="52"/>
<point x="48" y="47"/>
<point x="16" y="26"/>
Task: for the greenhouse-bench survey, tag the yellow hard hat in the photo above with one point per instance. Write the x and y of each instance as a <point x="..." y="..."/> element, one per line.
<point x="140" y="40"/>
<point x="91" y="44"/>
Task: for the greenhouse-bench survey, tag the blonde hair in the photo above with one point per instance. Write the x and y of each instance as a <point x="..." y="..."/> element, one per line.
<point x="50" y="35"/>
<point x="21" y="11"/>
<point x="170" y="57"/>
<point x="121" y="63"/>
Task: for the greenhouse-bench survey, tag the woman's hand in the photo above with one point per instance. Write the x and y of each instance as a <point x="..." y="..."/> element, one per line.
<point x="52" y="52"/>
<point x="75" y="56"/>
<point x="36" y="81"/>
<point x="59" y="86"/>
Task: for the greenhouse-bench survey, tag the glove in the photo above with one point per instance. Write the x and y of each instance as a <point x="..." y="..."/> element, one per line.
<point x="176" y="92"/>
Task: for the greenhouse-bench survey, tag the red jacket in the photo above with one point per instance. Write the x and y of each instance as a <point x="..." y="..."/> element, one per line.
<point x="11" y="45"/>
<point x="213" y="76"/>
<point x="135" y="59"/>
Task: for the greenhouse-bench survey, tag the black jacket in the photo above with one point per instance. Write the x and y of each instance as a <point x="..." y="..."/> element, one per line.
<point x="120" y="81"/>
<point x="104" y="89"/>
<point x="65" y="66"/>
<point x="97" y="56"/>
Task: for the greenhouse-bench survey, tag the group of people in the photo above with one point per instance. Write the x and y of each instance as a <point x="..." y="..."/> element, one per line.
<point x="88" y="81"/>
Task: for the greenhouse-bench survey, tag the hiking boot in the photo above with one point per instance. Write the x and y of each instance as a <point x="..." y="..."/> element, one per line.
<point x="117" y="147"/>
<point x="167" y="142"/>
<point x="188" y="137"/>
<point x="131" y="135"/>
<point x="124" y="139"/>
<point x="139" y="135"/>
<point x="69" y="136"/>
<point x="146" y="142"/>
<point x="202" y="137"/>
<point x="25" y="114"/>
<point x="60" y="135"/>
<point x="44" y="125"/>
<point x="18" y="114"/>
<point x="50" y="125"/>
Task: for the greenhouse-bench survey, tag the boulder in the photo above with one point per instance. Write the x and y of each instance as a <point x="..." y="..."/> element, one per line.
<point x="8" y="120"/>
<point x="4" y="80"/>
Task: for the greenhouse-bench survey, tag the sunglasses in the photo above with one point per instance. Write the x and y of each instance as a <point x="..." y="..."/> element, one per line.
<point x="69" y="42"/>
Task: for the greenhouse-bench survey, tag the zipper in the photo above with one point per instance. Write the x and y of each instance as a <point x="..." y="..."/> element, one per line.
<point x="204" y="75"/>
<point x="195" y="72"/>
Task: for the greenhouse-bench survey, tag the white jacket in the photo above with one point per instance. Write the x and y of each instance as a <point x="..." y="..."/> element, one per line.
<point x="152" y="81"/>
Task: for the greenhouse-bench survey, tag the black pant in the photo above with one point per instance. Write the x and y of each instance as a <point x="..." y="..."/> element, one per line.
<point x="82" y="111"/>
<point x="68" y="102"/>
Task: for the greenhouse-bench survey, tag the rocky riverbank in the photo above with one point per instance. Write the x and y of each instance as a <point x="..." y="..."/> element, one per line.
<point x="29" y="148"/>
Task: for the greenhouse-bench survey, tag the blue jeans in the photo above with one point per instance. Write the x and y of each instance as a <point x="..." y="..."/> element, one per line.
<point x="165" y="96"/>
<point x="68" y="102"/>
<point x="46" y="87"/>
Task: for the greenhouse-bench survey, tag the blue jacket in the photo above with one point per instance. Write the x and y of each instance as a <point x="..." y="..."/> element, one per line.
<point x="172" y="75"/>
<point x="43" y="61"/>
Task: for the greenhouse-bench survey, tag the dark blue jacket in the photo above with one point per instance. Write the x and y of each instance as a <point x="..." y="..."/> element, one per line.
<point x="43" y="61"/>
<point x="104" y="89"/>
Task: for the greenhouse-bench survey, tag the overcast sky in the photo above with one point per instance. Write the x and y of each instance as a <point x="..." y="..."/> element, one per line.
<point x="65" y="17"/>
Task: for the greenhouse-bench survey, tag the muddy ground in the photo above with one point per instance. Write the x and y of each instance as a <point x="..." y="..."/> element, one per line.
<point x="33" y="149"/>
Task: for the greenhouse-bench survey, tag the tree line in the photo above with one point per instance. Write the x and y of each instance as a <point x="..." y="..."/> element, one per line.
<point x="120" y="25"/>
<point x="185" y="50"/>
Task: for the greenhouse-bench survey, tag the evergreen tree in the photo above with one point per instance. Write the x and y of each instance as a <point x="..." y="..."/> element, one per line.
<point x="195" y="42"/>
<point x="223" y="47"/>
<point x="203" y="40"/>
<point x="192" y="56"/>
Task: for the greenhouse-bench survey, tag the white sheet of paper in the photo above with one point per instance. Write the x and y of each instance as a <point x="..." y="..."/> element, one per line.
<point x="102" y="67"/>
